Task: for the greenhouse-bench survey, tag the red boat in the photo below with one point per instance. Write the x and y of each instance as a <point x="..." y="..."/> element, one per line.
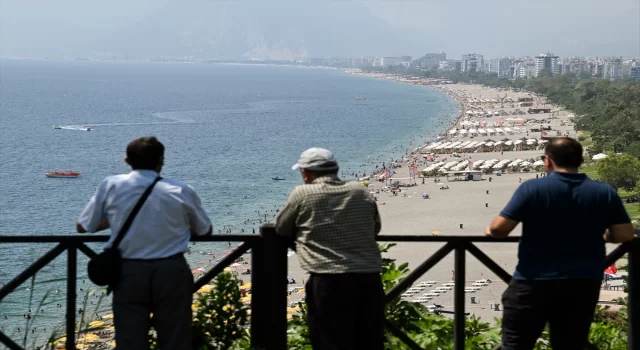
<point x="64" y="174"/>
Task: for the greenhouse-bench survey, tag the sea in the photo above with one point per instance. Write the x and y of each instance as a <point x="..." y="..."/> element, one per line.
<point x="227" y="129"/>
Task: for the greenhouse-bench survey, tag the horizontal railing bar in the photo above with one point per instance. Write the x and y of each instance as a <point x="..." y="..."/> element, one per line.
<point x="9" y="342"/>
<point x="104" y="238"/>
<point x="489" y="263"/>
<point x="220" y="266"/>
<point x="32" y="270"/>
<point x="453" y="239"/>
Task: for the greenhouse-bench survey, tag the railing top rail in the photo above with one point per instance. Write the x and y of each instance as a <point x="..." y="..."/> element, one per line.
<point x="250" y="237"/>
<point x="443" y="238"/>
<point x="103" y="238"/>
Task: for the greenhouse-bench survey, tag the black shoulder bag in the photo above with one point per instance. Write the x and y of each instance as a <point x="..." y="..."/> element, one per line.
<point x="105" y="268"/>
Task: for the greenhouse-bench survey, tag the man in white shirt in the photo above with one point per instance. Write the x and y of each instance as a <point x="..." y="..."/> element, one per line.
<point x="156" y="278"/>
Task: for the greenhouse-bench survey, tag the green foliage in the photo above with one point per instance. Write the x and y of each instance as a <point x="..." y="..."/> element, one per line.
<point x="621" y="171"/>
<point x="220" y="319"/>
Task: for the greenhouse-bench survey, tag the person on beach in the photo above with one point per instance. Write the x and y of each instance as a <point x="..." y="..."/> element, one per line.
<point x="335" y="224"/>
<point x="155" y="275"/>
<point x="562" y="250"/>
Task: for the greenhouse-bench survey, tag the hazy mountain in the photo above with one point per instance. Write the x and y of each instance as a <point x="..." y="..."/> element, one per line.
<point x="274" y="29"/>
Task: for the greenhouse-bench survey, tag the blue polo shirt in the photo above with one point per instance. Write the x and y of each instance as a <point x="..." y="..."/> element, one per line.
<point x="563" y="219"/>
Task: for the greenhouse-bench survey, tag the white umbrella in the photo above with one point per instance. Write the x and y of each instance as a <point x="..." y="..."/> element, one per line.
<point x="599" y="156"/>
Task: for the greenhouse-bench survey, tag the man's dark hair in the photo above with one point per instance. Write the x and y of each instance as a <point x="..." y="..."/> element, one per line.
<point x="145" y="153"/>
<point x="565" y="152"/>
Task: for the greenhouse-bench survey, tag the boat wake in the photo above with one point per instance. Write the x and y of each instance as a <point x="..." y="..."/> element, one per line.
<point x="74" y="127"/>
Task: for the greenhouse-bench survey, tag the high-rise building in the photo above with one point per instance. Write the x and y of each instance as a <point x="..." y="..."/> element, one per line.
<point x="390" y="61"/>
<point x="501" y="66"/>
<point x="472" y="62"/>
<point x="612" y="69"/>
<point x="547" y="61"/>
<point x="635" y="73"/>
<point x="431" y="60"/>
<point x="449" y="66"/>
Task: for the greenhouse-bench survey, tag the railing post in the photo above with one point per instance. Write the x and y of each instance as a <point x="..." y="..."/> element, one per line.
<point x="72" y="261"/>
<point x="634" y="295"/>
<point x="269" y="291"/>
<point x="458" y="299"/>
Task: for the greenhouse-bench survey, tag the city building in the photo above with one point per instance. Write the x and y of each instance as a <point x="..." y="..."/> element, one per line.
<point x="635" y="73"/>
<point x="612" y="69"/>
<point x="472" y="62"/>
<point x="431" y="60"/>
<point x="501" y="66"/>
<point x="576" y="66"/>
<point x="547" y="61"/>
<point x="449" y="66"/>
<point x="395" y="61"/>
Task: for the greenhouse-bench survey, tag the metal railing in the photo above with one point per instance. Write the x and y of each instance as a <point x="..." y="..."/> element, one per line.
<point x="269" y="283"/>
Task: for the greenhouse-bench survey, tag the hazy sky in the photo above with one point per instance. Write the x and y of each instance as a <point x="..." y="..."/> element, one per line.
<point x="276" y="28"/>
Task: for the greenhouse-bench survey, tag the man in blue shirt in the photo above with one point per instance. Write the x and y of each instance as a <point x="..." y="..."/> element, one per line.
<point x="155" y="275"/>
<point x="562" y="250"/>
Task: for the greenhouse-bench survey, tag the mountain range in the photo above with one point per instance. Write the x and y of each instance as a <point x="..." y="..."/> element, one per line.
<point x="241" y="29"/>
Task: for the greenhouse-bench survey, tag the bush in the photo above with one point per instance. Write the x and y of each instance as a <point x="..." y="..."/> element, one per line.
<point x="220" y="318"/>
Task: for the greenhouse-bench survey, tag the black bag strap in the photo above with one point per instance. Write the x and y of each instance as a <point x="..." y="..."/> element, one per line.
<point x="133" y="213"/>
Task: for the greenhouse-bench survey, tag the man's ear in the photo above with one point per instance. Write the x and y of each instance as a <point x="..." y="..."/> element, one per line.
<point x="126" y="160"/>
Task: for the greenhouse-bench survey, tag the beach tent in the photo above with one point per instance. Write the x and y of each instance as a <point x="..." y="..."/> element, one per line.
<point x="599" y="156"/>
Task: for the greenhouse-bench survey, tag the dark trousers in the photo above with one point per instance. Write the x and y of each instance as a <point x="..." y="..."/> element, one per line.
<point x="162" y="287"/>
<point x="567" y="305"/>
<point x="345" y="311"/>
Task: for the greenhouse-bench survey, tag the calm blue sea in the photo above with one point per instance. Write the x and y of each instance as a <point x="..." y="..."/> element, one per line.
<point x="227" y="129"/>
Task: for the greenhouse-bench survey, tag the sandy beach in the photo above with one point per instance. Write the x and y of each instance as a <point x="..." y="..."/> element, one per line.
<point x="464" y="202"/>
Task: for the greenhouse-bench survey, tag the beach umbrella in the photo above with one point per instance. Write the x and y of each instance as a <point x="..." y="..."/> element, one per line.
<point x="612" y="270"/>
<point x="293" y="309"/>
<point x="88" y="338"/>
<point x="599" y="156"/>
<point x="436" y="232"/>
<point x="289" y="316"/>
<point x="96" y="324"/>
<point x="246" y="286"/>
<point x="205" y="289"/>
<point x="108" y="316"/>
<point x="301" y="291"/>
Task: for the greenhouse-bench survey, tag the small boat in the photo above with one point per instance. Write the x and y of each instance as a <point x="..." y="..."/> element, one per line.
<point x="57" y="127"/>
<point x="63" y="174"/>
<point x="277" y="178"/>
<point x="360" y="98"/>
<point x="85" y="129"/>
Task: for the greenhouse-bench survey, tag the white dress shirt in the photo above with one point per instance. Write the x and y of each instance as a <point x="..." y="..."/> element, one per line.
<point x="163" y="225"/>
